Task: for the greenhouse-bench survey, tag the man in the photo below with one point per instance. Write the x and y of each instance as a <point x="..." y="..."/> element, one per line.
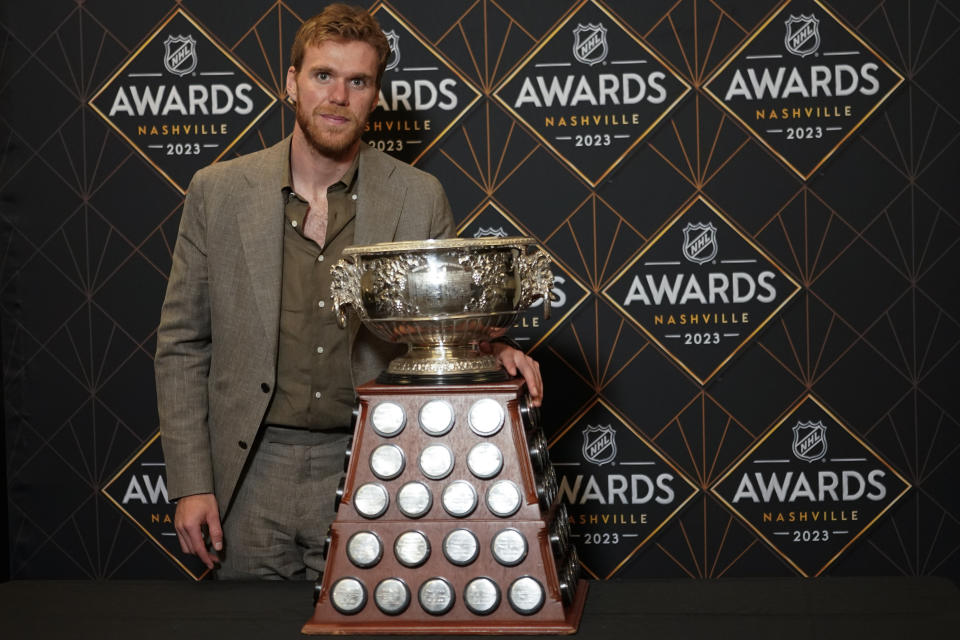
<point x="252" y="390"/>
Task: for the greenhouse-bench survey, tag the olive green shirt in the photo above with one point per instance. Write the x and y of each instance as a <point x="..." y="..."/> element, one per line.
<point x="314" y="389"/>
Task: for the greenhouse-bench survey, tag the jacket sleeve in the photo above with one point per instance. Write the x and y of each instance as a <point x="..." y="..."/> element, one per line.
<point x="182" y="362"/>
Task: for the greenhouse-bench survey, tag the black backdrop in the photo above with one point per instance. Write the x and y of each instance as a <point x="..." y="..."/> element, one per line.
<point x="860" y="340"/>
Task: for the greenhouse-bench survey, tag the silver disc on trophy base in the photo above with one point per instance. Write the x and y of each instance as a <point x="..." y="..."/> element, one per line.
<point x="436" y="417"/>
<point x="485" y="417"/>
<point x="364" y="549"/>
<point x="559" y="535"/>
<point x="482" y="596"/>
<point x="371" y="500"/>
<point x="459" y="498"/>
<point x="414" y="499"/>
<point x="526" y="595"/>
<point x="392" y="596"/>
<point x="348" y="595"/>
<point x="387" y="461"/>
<point x="504" y="498"/>
<point x="485" y="460"/>
<point x="568" y="576"/>
<point x="436" y="461"/>
<point x="388" y="419"/>
<point x="509" y="547"/>
<point x="436" y="596"/>
<point x="538" y="451"/>
<point x="411" y="549"/>
<point x="461" y="547"/>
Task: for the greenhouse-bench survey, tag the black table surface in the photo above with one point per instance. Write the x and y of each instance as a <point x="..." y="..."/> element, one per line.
<point x="782" y="608"/>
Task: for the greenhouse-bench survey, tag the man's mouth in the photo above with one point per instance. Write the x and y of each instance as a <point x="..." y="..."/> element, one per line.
<point x="335" y="118"/>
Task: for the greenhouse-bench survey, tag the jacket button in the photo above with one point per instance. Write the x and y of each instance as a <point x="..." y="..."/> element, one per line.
<point x="242" y="444"/>
<point x="264" y="387"/>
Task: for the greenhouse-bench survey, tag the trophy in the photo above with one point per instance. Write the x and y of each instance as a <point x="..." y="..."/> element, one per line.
<point x="448" y="519"/>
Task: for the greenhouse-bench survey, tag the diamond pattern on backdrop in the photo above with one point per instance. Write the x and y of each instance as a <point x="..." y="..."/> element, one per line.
<point x="872" y="237"/>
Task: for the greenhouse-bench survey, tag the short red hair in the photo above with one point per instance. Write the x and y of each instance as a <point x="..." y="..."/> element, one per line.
<point x="341" y="22"/>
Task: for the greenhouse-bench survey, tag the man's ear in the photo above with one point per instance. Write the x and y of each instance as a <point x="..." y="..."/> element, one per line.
<point x="292" y="84"/>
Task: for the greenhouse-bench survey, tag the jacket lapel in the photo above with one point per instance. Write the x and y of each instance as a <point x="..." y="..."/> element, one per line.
<point x="260" y="223"/>
<point x="379" y="199"/>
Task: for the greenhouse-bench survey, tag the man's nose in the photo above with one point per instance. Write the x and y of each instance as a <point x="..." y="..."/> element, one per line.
<point x="339" y="94"/>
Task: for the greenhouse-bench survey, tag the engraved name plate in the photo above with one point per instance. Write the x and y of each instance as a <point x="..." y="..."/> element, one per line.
<point x="485" y="460"/>
<point x="436" y="417"/>
<point x="388" y="419"/>
<point x="371" y="500"/>
<point x="414" y="499"/>
<point x="348" y="595"/>
<point x="411" y="548"/>
<point x="392" y="596"/>
<point x="461" y="547"/>
<point x="364" y="549"/>
<point x="482" y="596"/>
<point x="485" y="417"/>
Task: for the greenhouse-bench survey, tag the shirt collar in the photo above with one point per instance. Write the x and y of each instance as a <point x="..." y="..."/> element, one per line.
<point x="347" y="182"/>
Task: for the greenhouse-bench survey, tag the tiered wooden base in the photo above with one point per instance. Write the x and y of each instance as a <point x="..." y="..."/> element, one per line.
<point x="562" y="607"/>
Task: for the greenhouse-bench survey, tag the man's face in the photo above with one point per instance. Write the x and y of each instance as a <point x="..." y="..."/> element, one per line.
<point x="335" y="91"/>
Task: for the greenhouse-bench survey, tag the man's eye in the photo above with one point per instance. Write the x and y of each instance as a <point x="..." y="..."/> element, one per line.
<point x="359" y="83"/>
<point x="323" y="75"/>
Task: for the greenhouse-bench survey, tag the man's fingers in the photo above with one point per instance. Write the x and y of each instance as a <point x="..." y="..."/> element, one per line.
<point x="537" y="396"/>
<point x="534" y="382"/>
<point x="182" y="538"/>
<point x="198" y="546"/>
<point x="216" y="532"/>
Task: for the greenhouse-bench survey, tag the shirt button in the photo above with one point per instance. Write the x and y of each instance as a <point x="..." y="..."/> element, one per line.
<point x="321" y="304"/>
<point x="353" y="197"/>
<point x="319" y="258"/>
<point x="317" y="395"/>
<point x="242" y="444"/>
<point x="293" y="222"/>
<point x="265" y="387"/>
<point x="319" y="349"/>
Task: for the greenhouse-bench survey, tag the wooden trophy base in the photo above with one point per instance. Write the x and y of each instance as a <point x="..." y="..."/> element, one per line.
<point x="533" y="592"/>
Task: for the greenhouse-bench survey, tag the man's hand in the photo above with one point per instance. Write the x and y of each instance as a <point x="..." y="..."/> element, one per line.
<point x="193" y="514"/>
<point x="516" y="361"/>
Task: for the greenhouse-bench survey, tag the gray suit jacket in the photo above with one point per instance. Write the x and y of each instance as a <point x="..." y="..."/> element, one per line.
<point x="216" y="355"/>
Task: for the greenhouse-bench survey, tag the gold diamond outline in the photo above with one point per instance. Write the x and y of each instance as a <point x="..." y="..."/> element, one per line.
<point x="450" y="67"/>
<point x="788" y="415"/>
<point x="586" y="290"/>
<point x="153" y="34"/>
<point x="649" y="245"/>
<point x="666" y="460"/>
<point x="103" y="490"/>
<point x="761" y="139"/>
<point x="564" y="21"/>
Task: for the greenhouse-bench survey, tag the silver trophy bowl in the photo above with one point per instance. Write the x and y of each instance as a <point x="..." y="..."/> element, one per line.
<point x="441" y="298"/>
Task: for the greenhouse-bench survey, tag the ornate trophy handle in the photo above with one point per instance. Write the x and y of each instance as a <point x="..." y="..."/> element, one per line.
<point x="345" y="289"/>
<point x="536" y="280"/>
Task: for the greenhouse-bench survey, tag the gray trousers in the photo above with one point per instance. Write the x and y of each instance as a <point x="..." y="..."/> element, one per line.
<point x="276" y="526"/>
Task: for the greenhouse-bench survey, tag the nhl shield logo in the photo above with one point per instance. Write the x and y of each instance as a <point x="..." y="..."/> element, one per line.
<point x="802" y="36"/>
<point x="810" y="440"/>
<point x="393" y="59"/>
<point x="590" y="43"/>
<point x="180" y="55"/>
<point x="599" y="444"/>
<point x="700" y="242"/>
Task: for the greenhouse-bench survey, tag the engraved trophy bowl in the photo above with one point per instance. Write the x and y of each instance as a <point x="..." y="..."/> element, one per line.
<point x="441" y="298"/>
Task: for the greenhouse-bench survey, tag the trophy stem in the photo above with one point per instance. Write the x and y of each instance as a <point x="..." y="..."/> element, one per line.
<point x="443" y="364"/>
